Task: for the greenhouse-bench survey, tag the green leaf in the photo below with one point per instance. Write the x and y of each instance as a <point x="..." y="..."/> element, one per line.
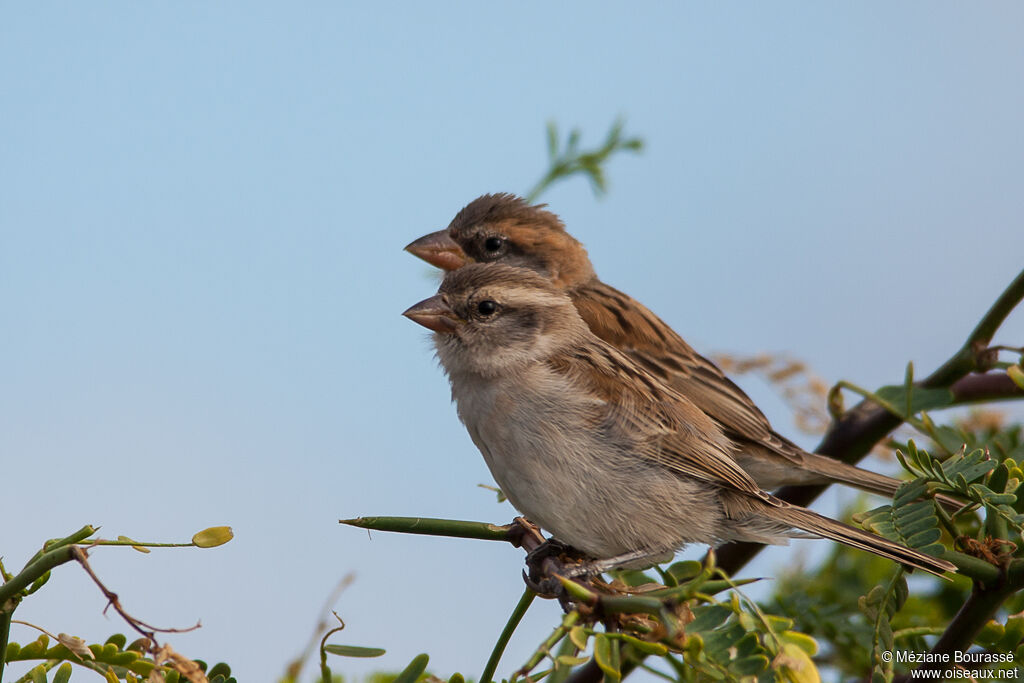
<point x="38" y="583"/>
<point x="213" y="537"/>
<point x="747" y="645"/>
<point x="219" y="669"/>
<point x="552" y="134"/>
<point x="801" y="640"/>
<point x="1016" y="374"/>
<point x="139" y="548"/>
<point x="976" y="470"/>
<point x="645" y="646"/>
<point x="990" y="497"/>
<point x="63" y="674"/>
<point x="1000" y="477"/>
<point x="632" y="577"/>
<point x="416" y="667"/>
<point x="915" y="525"/>
<point x="36" y="648"/>
<point x="354" y="651"/>
<point x="684" y="571"/>
<point x="910" y="491"/>
<point x="38" y="674"/>
<point x="948" y="439"/>
<point x="924" y="538"/>
<point x="118" y="640"/>
<point x="574" y="139"/>
<point x="604" y="655"/>
<point x="708" y="617"/>
<point x="578" y="635"/>
<point x="920" y="398"/>
<point x="777" y="623"/>
<point x="750" y="666"/>
<point x="1013" y="632"/>
<point x="799" y="667"/>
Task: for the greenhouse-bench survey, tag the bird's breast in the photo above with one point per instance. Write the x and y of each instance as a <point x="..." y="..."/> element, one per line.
<point x="562" y="470"/>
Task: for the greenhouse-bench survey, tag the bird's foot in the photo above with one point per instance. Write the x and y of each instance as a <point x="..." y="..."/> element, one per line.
<point x="546" y="563"/>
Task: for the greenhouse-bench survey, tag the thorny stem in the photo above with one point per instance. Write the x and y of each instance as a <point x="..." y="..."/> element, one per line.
<point x="568" y="621"/>
<point x="506" y="635"/>
<point x="52" y="554"/>
<point x="77" y="537"/>
<point x="982" y="333"/>
<point x="433" y="527"/>
<point x="5" y="634"/>
<point x="9" y="592"/>
<point x="34" y="570"/>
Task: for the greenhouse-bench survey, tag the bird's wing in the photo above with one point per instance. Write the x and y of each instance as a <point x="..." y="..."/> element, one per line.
<point x="629" y="326"/>
<point x="656" y="421"/>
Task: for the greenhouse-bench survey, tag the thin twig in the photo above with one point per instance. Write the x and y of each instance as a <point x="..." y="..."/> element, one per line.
<point x="325" y="671"/>
<point x="146" y="630"/>
<point x="293" y="670"/>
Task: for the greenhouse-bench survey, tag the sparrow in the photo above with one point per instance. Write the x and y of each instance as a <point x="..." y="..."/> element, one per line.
<point x="591" y="445"/>
<point x="504" y="228"/>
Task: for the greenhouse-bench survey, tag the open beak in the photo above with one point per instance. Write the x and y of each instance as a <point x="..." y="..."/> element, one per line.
<point x="438" y="249"/>
<point x="434" y="314"/>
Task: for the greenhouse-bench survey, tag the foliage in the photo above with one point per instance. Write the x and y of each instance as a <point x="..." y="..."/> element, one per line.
<point x="570" y="161"/>
<point x="115" y="659"/>
<point x="822" y="602"/>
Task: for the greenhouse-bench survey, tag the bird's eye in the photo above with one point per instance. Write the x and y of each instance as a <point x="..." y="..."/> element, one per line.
<point x="493" y="244"/>
<point x="486" y="307"/>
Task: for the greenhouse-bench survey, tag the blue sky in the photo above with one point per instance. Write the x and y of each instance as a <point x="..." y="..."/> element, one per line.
<point x="201" y="273"/>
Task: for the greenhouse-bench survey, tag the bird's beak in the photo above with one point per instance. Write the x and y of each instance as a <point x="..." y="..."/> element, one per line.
<point x="438" y="249"/>
<point x="434" y="314"/>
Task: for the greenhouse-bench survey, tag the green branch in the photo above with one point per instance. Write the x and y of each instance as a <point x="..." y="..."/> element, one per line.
<point x="77" y="537"/>
<point x="568" y="621"/>
<point x="966" y="359"/>
<point x="452" y="528"/>
<point x="506" y="634"/>
<point x="5" y="635"/>
<point x="35" y="570"/>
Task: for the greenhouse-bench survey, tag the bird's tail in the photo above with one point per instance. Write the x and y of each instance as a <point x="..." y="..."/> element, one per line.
<point x="865" y="480"/>
<point x="812" y="522"/>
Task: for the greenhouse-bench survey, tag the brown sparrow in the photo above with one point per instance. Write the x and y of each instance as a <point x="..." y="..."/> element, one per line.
<point x="503" y="228"/>
<point x="588" y="443"/>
